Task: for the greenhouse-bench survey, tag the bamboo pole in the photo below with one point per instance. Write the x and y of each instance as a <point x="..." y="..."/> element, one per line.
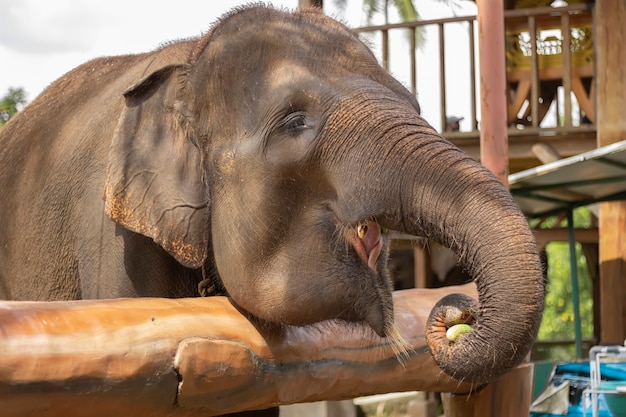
<point x="155" y="357"/>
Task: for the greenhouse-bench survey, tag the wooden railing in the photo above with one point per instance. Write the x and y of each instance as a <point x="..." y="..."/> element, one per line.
<point x="536" y="56"/>
<point x="550" y="86"/>
<point x="382" y="44"/>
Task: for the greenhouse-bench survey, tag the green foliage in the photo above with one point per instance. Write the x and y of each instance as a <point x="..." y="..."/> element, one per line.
<point x="558" y="317"/>
<point x="405" y="9"/>
<point x="407" y="12"/>
<point x="11" y="103"/>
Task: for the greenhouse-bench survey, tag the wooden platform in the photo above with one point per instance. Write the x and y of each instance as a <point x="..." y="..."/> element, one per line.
<point x="565" y="141"/>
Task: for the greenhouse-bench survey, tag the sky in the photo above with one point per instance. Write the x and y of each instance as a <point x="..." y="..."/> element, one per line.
<point x="40" y="40"/>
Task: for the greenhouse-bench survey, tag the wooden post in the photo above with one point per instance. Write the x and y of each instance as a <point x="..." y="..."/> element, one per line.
<point x="494" y="152"/>
<point x="509" y="397"/>
<point x="200" y="356"/>
<point x="422" y="271"/>
<point x="609" y="40"/>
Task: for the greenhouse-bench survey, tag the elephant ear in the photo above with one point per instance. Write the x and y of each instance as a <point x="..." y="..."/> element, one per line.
<point x="155" y="184"/>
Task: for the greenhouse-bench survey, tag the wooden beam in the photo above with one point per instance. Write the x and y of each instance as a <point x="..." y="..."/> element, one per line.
<point x="545" y="236"/>
<point x="521" y="155"/>
<point x="200" y="356"/>
<point x="545" y="153"/>
<point x="609" y="39"/>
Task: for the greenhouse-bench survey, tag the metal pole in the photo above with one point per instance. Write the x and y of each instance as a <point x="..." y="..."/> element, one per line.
<point x="574" y="276"/>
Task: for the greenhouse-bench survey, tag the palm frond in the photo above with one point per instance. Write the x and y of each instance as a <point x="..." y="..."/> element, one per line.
<point x="406" y="10"/>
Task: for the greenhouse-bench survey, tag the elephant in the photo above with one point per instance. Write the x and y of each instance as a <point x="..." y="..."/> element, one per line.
<point x="266" y="160"/>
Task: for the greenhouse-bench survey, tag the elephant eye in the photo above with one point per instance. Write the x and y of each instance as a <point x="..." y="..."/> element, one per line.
<point x="296" y="123"/>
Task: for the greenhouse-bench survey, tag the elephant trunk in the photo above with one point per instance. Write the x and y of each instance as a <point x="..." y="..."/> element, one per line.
<point x="438" y="192"/>
<point x="457" y="202"/>
<point x="477" y="218"/>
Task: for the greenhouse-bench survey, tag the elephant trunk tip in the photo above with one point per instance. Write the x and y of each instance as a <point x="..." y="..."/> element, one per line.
<point x="456" y="333"/>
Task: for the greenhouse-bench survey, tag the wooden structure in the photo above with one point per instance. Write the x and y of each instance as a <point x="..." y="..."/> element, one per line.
<point x="535" y="51"/>
<point x="584" y="82"/>
<point x="530" y="78"/>
<point x="200" y="356"/>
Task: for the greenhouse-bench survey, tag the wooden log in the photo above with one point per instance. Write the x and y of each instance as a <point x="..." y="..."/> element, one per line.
<point x="509" y="396"/>
<point x="155" y="357"/>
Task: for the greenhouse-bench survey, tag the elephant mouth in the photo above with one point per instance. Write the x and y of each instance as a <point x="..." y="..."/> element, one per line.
<point x="367" y="240"/>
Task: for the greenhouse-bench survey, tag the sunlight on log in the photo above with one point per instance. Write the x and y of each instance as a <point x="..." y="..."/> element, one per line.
<point x="199" y="355"/>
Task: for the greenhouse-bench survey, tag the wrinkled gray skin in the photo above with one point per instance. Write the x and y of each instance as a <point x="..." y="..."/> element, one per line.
<point x="270" y="151"/>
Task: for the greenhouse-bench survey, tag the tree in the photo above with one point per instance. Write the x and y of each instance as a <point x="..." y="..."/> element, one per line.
<point x="12" y="102"/>
<point x="405" y="8"/>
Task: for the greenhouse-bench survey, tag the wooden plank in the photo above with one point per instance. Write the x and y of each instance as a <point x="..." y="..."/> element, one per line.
<point x="586" y="104"/>
<point x="200" y="356"/>
<point x="545" y="236"/>
<point x="521" y="93"/>
<point x="555" y="73"/>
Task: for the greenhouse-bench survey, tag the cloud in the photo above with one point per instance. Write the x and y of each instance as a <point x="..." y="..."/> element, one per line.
<point x="37" y="27"/>
<point x="42" y="39"/>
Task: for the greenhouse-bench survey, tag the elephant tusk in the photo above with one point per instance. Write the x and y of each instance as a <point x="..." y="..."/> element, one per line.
<point x="368" y="242"/>
<point x="361" y="230"/>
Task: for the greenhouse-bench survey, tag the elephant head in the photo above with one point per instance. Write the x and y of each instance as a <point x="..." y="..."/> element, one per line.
<point x="278" y="154"/>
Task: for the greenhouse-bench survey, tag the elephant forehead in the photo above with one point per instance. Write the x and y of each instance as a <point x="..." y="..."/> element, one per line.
<point x="285" y="74"/>
<point x="295" y="84"/>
